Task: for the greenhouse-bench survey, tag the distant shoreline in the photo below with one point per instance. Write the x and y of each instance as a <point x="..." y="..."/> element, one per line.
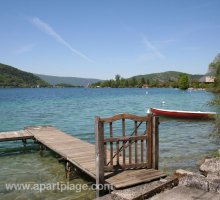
<point x="79" y="87"/>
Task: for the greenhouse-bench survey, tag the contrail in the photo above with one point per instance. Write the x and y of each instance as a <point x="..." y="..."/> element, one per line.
<point x="153" y="48"/>
<point x="49" y="30"/>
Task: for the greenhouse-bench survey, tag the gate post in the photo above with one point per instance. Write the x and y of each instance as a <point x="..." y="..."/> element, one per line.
<point x="155" y="141"/>
<point x="99" y="153"/>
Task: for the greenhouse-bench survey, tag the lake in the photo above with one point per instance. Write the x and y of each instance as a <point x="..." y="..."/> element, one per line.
<point x="182" y="142"/>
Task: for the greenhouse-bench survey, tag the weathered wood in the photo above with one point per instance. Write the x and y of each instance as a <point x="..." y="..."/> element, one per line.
<point x="130" y="152"/>
<point x="123" y="135"/>
<point x="142" y="151"/>
<point x="138" y="141"/>
<point x="15" y="135"/>
<point x="125" y="167"/>
<point x="134" y="177"/>
<point x="83" y="155"/>
<point x="136" y="144"/>
<point x="105" y="153"/>
<point x="125" y="139"/>
<point x="124" y="116"/>
<point x="111" y="143"/>
<point x="147" y="190"/>
<point x="99" y="138"/>
<point x="146" y="154"/>
<point x="149" y="142"/>
<point x="118" y="152"/>
<point x="155" y="140"/>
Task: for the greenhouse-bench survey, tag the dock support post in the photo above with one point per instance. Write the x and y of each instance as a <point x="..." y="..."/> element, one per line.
<point x="24" y="142"/>
<point x="155" y="142"/>
<point x="41" y="149"/>
<point x="68" y="170"/>
<point x="99" y="149"/>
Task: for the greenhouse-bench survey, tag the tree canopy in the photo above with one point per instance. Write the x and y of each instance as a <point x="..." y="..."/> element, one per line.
<point x="13" y="77"/>
<point x="215" y="66"/>
<point x="165" y="79"/>
<point x="183" y="82"/>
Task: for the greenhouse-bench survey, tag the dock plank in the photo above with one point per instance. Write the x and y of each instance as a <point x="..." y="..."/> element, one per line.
<point x="134" y="177"/>
<point x="15" y="135"/>
<point x="81" y="154"/>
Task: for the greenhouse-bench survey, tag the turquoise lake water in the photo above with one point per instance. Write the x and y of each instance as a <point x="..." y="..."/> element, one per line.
<point x="72" y="110"/>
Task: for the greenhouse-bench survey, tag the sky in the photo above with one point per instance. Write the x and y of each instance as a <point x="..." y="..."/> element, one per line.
<point x="102" y="38"/>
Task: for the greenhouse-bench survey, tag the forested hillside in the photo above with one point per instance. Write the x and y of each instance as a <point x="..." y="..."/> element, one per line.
<point x="13" y="77"/>
<point x="163" y="79"/>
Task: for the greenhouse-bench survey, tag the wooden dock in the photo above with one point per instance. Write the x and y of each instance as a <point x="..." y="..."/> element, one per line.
<point x="15" y="135"/>
<point x="79" y="153"/>
<point x="83" y="155"/>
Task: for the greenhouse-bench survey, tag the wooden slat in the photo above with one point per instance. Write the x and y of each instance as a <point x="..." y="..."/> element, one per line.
<point x="155" y="140"/>
<point x="15" y="135"/>
<point x="111" y="143"/>
<point x="123" y="134"/>
<point x="149" y="142"/>
<point x="130" y="152"/>
<point x="99" y="138"/>
<point x="142" y="151"/>
<point x="147" y="127"/>
<point x="134" y="177"/>
<point x="124" y="116"/>
<point x="125" y="139"/>
<point x="125" y="167"/>
<point x="136" y="144"/>
<point x="105" y="154"/>
<point x="118" y="152"/>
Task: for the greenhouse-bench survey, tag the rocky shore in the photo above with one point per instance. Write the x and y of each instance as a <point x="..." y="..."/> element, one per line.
<point x="183" y="185"/>
<point x="207" y="180"/>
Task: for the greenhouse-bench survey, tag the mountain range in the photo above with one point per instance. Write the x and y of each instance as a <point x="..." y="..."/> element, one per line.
<point x="167" y="76"/>
<point x="13" y="77"/>
<point x="55" y="80"/>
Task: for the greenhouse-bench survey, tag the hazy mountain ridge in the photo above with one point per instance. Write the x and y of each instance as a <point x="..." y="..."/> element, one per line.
<point x="167" y="76"/>
<point x="13" y="77"/>
<point x="54" y="80"/>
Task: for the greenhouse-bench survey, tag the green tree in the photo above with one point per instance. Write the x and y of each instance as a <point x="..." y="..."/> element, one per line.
<point x="122" y="83"/>
<point x="133" y="82"/>
<point x="183" y="82"/>
<point x="217" y="78"/>
<point x="117" y="80"/>
<point x="126" y="83"/>
<point x="13" y="77"/>
<point x="215" y="65"/>
<point x="117" y="77"/>
<point x="217" y="58"/>
<point x="195" y="84"/>
<point x="143" y="81"/>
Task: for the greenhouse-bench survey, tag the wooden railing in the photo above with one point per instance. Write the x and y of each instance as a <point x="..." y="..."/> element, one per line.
<point x="134" y="149"/>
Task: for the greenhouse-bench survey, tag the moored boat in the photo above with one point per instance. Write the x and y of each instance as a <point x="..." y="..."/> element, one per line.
<point x="183" y="114"/>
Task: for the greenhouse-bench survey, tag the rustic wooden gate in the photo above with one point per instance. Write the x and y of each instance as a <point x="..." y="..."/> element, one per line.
<point x="136" y="149"/>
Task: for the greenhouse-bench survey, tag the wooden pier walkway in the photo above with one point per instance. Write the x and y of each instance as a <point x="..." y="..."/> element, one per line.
<point x="79" y="153"/>
<point x="82" y="155"/>
<point x="15" y="135"/>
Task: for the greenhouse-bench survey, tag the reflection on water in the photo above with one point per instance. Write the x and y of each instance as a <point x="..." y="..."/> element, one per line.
<point x="184" y="143"/>
<point x="31" y="168"/>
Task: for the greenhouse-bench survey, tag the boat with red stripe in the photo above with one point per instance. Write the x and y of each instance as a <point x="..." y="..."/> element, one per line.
<point x="183" y="114"/>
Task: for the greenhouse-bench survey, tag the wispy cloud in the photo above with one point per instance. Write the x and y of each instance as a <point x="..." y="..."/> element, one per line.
<point x="25" y="48"/>
<point x="51" y="32"/>
<point x="163" y="42"/>
<point x="152" y="48"/>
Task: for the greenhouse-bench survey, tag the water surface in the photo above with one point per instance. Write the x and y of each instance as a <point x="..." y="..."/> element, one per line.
<point x="182" y="143"/>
